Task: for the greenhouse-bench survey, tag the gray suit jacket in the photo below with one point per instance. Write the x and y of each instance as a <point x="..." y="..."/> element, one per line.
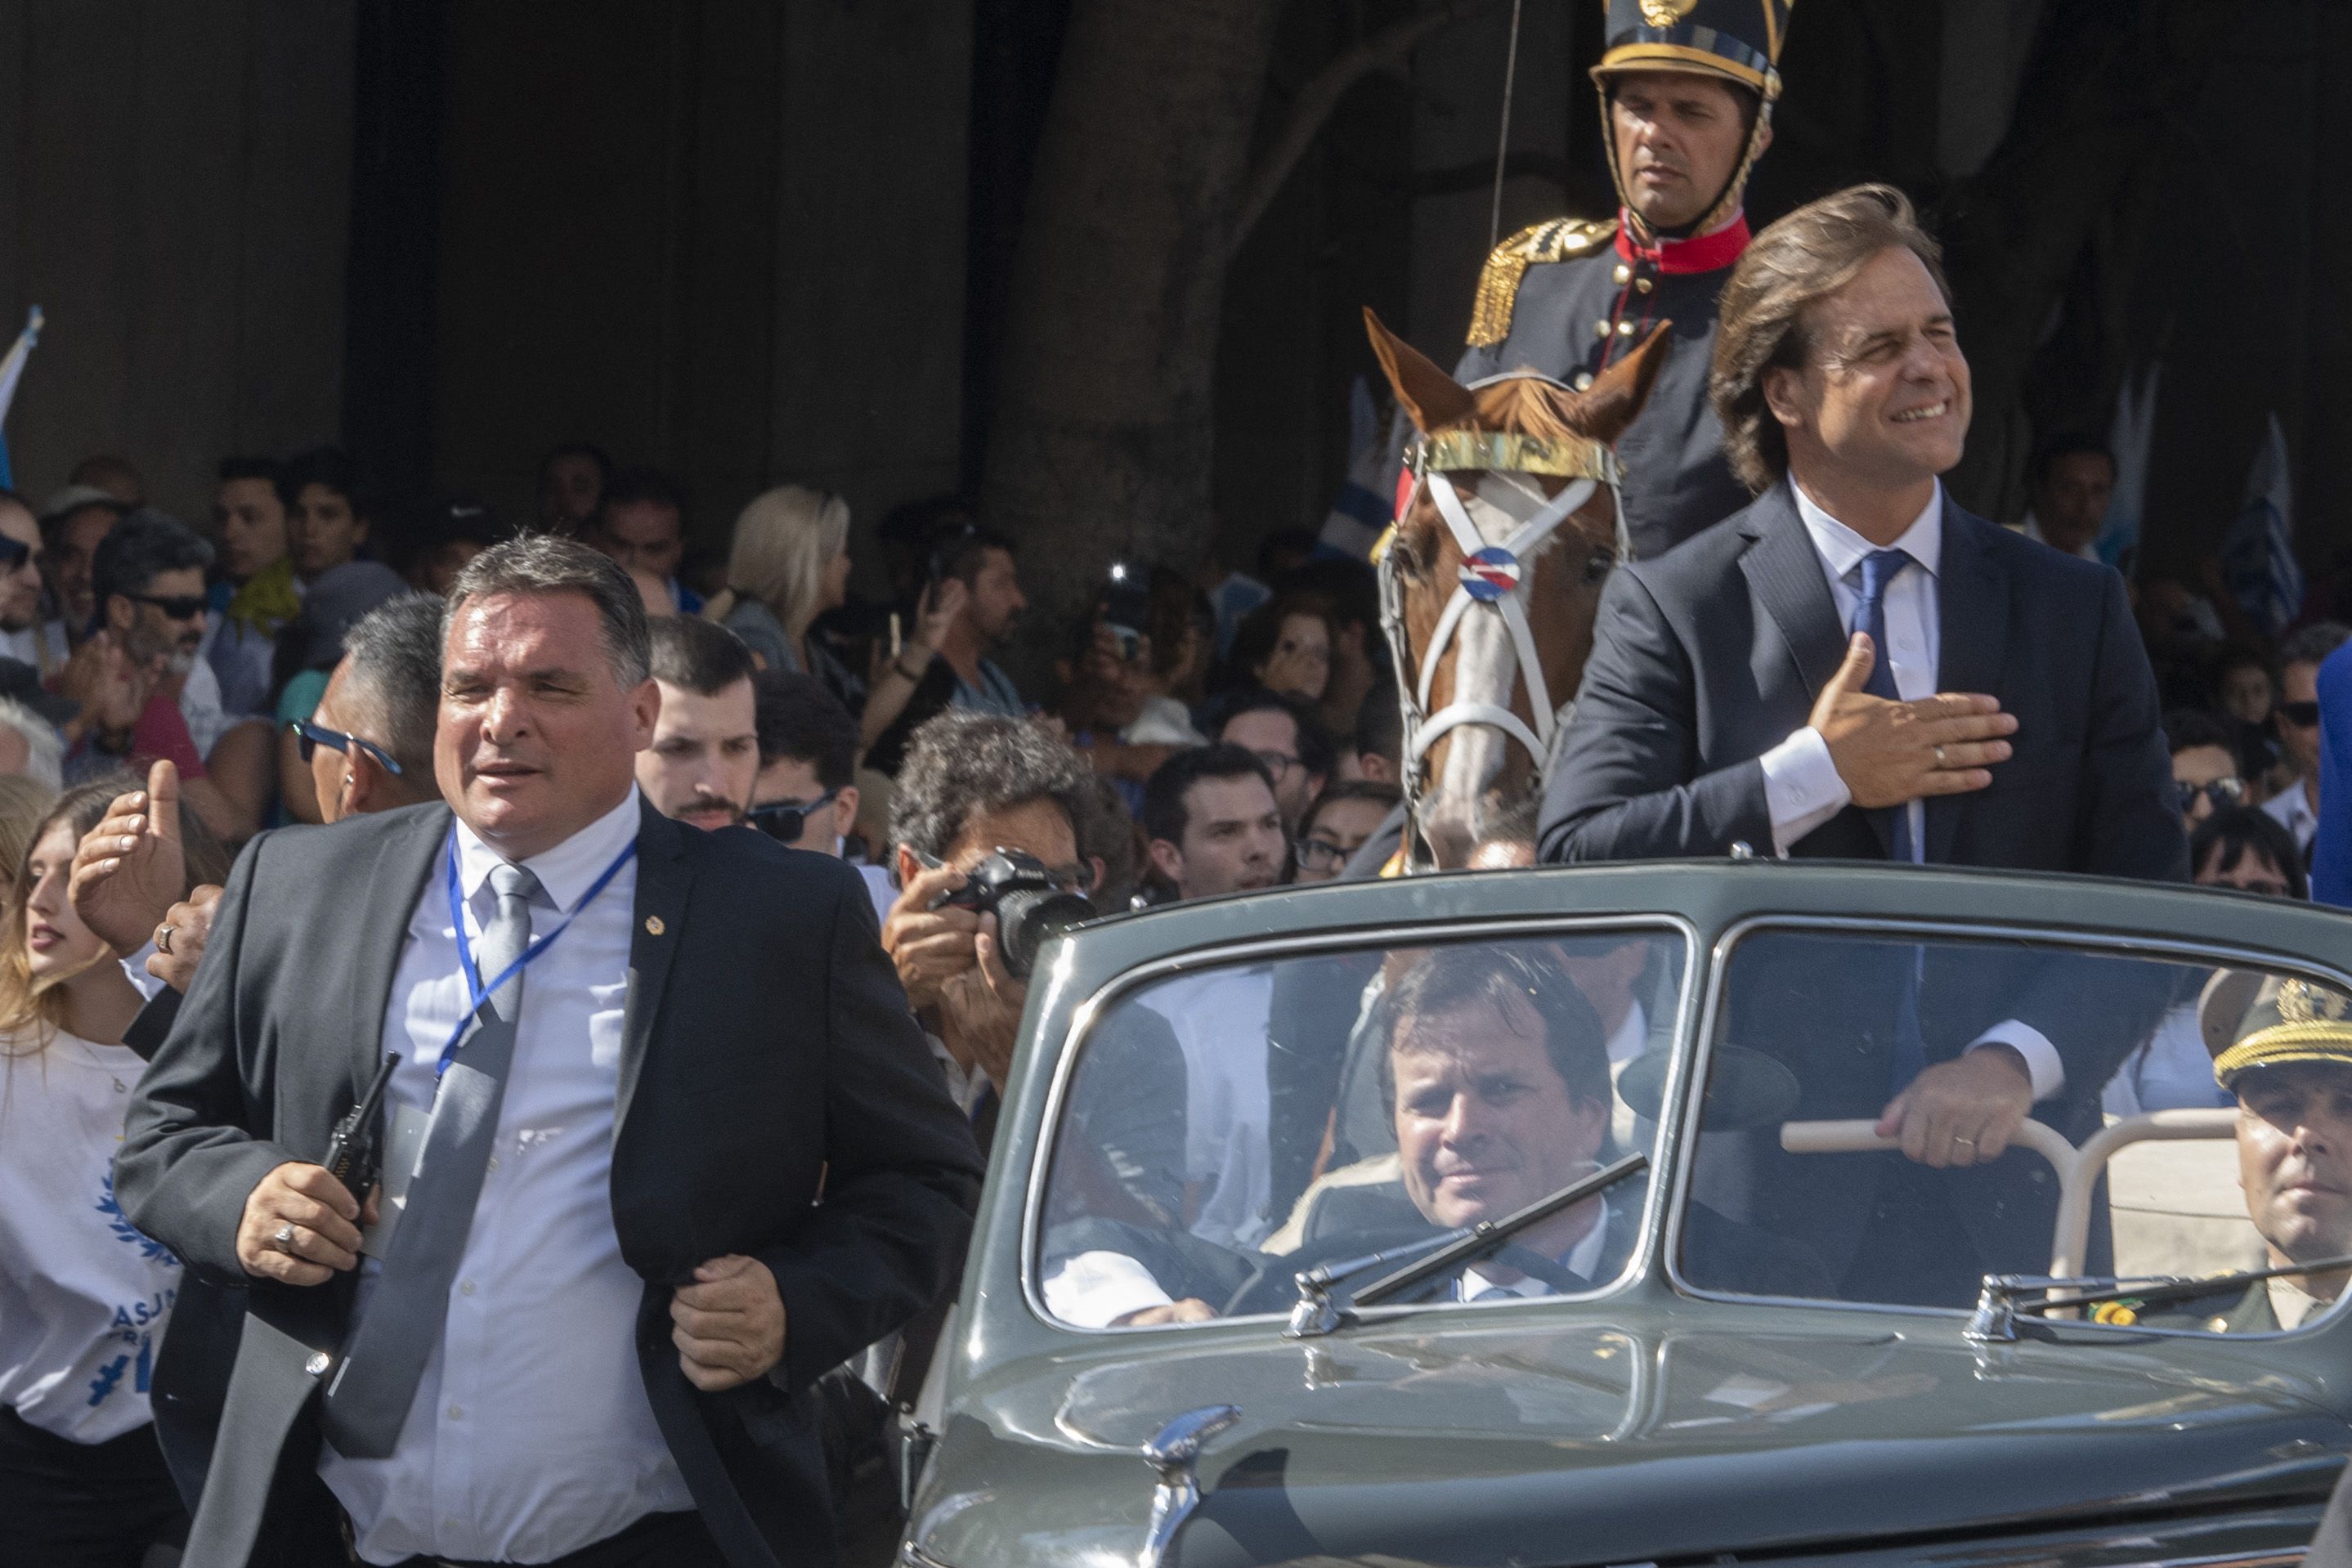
<point x="767" y="1057"/>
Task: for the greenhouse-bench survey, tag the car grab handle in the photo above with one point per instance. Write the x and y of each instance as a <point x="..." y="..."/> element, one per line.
<point x="1861" y="1138"/>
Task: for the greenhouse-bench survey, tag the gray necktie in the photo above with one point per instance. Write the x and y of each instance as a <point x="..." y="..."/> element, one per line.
<point x="368" y="1400"/>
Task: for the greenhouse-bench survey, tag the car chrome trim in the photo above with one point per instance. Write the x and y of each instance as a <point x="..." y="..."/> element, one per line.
<point x="2126" y="944"/>
<point x="1174" y="1456"/>
<point x="1089" y="1010"/>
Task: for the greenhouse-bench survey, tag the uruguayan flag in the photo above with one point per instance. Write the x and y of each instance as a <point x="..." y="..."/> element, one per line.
<point x="2259" y="554"/>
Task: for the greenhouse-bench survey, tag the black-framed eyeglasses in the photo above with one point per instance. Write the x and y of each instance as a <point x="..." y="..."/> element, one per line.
<point x="2302" y="715"/>
<point x="177" y="606"/>
<point x="1318" y="855"/>
<point x="1277" y="763"/>
<point x="313" y="736"/>
<point x="15" y="552"/>
<point x="785" y="821"/>
<point x="2218" y="794"/>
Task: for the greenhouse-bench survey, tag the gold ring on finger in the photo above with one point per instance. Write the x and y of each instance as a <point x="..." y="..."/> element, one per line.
<point x="1939" y="756"/>
<point x="1964" y="1143"/>
<point x="163" y="938"/>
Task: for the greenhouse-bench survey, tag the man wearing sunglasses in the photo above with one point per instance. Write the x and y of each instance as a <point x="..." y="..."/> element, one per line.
<point x="21" y="635"/>
<point x="2205" y="773"/>
<point x="2296" y="807"/>
<point x="806" y="796"/>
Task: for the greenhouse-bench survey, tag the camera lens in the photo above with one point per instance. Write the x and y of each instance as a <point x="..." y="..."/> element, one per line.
<point x="1027" y="917"/>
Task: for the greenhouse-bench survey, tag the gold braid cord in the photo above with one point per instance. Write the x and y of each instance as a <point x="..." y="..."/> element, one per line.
<point x="1561" y="240"/>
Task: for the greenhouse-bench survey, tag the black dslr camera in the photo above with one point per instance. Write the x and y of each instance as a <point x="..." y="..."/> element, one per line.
<point x="1028" y="904"/>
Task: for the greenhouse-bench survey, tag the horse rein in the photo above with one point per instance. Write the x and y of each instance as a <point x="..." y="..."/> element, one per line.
<point x="1491" y="578"/>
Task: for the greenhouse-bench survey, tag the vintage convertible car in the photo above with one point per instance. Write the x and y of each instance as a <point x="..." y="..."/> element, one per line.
<point x="1542" y="1218"/>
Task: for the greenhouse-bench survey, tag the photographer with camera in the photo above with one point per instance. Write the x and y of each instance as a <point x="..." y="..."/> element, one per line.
<point x="985" y="806"/>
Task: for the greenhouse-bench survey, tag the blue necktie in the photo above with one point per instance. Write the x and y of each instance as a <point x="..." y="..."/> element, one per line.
<point x="1878" y="570"/>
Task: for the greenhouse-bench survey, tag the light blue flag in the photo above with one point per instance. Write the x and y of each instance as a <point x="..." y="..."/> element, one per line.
<point x="12" y="371"/>
<point x="2258" y="556"/>
<point x="2131" y="438"/>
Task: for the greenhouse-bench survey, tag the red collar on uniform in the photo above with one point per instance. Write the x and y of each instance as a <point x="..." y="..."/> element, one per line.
<point x="1708" y="253"/>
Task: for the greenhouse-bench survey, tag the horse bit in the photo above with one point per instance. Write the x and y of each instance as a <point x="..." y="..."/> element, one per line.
<point x="1493" y="577"/>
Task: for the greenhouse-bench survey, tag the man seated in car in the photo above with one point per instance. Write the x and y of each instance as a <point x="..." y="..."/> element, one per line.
<point x="2287" y="1057"/>
<point x="1497" y="1077"/>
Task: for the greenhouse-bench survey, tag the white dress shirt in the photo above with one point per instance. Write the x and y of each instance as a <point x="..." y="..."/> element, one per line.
<point x="1220" y="1020"/>
<point x="2291" y="809"/>
<point x="1583" y="1260"/>
<point x="532" y="1436"/>
<point x="1801" y="786"/>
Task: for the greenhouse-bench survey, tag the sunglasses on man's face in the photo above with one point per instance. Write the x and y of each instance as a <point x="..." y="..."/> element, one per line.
<point x="785" y="821"/>
<point x="313" y="736"/>
<point x="14" y="553"/>
<point x="2302" y="715"/>
<point x="2218" y="794"/>
<point x="175" y="606"/>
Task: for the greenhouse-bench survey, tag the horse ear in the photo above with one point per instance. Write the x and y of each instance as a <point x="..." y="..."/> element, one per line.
<point x="1432" y="398"/>
<point x="1611" y="402"/>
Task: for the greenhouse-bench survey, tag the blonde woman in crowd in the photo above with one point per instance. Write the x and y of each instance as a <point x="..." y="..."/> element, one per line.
<point x="83" y="1296"/>
<point x="789" y="565"/>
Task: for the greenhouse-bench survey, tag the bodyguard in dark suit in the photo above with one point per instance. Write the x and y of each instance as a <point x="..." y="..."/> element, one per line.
<point x="666" y="1142"/>
<point x="1855" y="667"/>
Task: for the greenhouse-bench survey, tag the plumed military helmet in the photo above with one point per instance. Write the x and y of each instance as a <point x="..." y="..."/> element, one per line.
<point x="2250" y="1020"/>
<point x="1736" y="40"/>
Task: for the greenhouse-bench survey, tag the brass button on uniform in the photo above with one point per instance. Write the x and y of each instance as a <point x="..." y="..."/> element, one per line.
<point x="1641" y="285"/>
<point x="1583" y="380"/>
<point x="1601" y="329"/>
<point x="1624" y="329"/>
<point x="1623" y="274"/>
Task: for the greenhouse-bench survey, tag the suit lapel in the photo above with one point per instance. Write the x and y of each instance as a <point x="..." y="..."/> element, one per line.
<point x="404" y="866"/>
<point x="1972" y="596"/>
<point x="664" y="880"/>
<point x="1785" y="576"/>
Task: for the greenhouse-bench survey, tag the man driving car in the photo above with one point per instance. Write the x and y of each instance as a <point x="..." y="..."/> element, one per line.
<point x="1497" y="1077"/>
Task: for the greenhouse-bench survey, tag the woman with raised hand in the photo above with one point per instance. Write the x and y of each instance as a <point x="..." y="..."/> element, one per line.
<point x="83" y="1296"/>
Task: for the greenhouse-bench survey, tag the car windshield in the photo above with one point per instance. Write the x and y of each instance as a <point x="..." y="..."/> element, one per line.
<point x="1228" y="1126"/>
<point x="1861" y="1123"/>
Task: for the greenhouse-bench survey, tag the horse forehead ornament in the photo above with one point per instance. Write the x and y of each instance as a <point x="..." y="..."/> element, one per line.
<point x="1501" y="572"/>
<point x="1493" y="575"/>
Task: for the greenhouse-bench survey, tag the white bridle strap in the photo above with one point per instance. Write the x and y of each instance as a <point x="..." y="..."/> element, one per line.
<point x="1523" y="545"/>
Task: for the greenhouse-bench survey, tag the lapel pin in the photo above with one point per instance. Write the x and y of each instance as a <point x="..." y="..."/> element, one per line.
<point x="654" y="926"/>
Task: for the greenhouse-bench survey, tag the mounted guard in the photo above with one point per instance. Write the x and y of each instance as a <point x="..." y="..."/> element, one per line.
<point x="1686" y="95"/>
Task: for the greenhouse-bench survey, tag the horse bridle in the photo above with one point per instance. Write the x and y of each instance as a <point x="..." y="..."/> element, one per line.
<point x="1491" y="578"/>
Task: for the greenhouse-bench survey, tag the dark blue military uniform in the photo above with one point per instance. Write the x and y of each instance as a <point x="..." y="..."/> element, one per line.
<point x="1566" y="299"/>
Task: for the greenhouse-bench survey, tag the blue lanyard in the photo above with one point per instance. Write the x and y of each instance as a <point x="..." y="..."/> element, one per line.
<point x="480" y="992"/>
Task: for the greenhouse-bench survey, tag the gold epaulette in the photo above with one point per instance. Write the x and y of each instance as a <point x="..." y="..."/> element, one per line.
<point x="1561" y="240"/>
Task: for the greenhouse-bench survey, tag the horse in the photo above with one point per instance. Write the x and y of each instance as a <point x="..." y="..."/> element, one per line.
<point x="1491" y="579"/>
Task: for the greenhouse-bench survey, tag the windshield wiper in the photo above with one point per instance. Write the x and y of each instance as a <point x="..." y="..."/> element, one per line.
<point x="1325" y="1301"/>
<point x="1998" y="1305"/>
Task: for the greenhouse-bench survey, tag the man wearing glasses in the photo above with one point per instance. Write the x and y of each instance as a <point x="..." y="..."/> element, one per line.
<point x="368" y="744"/>
<point x="2296" y="807"/>
<point x="706" y="750"/>
<point x="21" y="635"/>
<point x="806" y="795"/>
<point x="1282" y="732"/>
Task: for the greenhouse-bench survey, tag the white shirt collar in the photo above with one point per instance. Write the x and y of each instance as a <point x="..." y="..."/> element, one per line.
<point x="566" y="871"/>
<point x="1843" y="549"/>
<point x="1583" y="1259"/>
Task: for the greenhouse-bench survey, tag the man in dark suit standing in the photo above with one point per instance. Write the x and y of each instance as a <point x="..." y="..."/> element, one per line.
<point x="575" y="1323"/>
<point x="1854" y="667"/>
